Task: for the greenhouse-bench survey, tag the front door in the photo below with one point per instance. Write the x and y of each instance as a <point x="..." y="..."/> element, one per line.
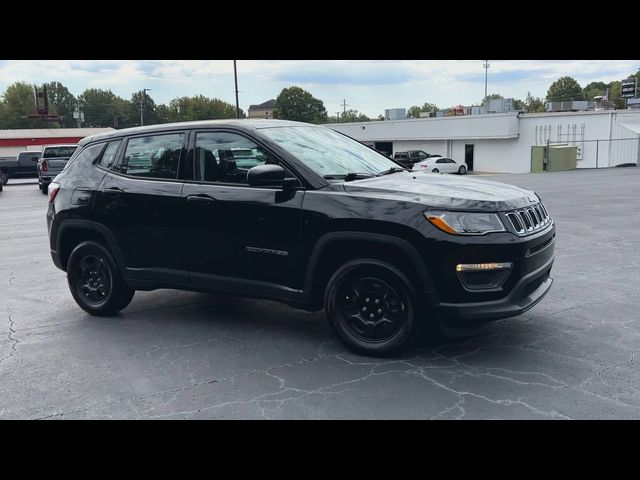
<point x="468" y="157"/>
<point x="236" y="230"/>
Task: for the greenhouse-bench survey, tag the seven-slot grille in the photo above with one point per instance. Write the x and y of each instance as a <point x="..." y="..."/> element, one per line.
<point x="529" y="220"/>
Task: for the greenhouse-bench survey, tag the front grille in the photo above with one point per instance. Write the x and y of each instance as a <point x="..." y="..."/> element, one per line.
<point x="529" y="220"/>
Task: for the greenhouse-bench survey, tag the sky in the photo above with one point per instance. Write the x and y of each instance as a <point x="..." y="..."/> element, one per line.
<point x="369" y="86"/>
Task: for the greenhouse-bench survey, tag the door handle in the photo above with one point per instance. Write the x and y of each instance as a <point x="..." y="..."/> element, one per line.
<point x="114" y="191"/>
<point x="201" y="199"/>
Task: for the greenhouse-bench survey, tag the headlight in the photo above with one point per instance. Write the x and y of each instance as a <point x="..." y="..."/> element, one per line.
<point x="466" y="223"/>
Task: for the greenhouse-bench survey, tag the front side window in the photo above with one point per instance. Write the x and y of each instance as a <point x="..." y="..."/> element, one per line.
<point x="227" y="157"/>
<point x="327" y="152"/>
<point x="154" y="156"/>
<point x="422" y="155"/>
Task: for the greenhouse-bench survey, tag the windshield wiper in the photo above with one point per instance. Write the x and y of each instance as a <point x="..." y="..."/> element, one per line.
<point x="347" y="177"/>
<point x="391" y="170"/>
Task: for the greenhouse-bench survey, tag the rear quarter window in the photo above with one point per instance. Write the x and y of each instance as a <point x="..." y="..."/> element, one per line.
<point x="85" y="155"/>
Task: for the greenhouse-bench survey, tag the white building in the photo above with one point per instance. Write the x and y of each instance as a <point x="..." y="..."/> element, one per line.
<point x="502" y="142"/>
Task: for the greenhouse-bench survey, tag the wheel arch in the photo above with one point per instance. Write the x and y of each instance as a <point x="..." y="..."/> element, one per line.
<point x="336" y="248"/>
<point x="72" y="232"/>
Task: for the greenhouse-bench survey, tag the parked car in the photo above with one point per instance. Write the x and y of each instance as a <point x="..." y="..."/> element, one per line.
<point x="22" y="166"/>
<point x="54" y="158"/>
<point x="322" y="222"/>
<point x="441" y="165"/>
<point x="408" y="159"/>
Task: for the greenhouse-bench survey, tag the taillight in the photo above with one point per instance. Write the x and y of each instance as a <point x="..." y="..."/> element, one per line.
<point x="44" y="166"/>
<point x="53" y="191"/>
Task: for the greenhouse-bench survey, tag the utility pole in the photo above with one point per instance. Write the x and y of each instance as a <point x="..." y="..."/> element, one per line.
<point x="486" y="72"/>
<point x="78" y="119"/>
<point x="235" y="77"/>
<point x="344" y="106"/>
<point x="143" y="98"/>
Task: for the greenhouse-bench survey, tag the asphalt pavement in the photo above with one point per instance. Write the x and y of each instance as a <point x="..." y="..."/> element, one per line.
<point x="177" y="355"/>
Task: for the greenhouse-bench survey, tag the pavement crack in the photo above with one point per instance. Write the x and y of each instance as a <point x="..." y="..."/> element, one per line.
<point x="11" y="335"/>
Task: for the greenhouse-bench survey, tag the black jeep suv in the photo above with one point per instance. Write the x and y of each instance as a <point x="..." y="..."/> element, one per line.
<point x="300" y="214"/>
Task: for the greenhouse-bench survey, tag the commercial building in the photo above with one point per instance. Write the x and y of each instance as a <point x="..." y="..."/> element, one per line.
<point x="15" y="141"/>
<point x="264" y="110"/>
<point x="502" y="142"/>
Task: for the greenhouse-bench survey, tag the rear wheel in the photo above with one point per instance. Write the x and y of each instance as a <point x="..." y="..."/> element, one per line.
<point x="95" y="281"/>
<point x="371" y="307"/>
<point x="4" y="178"/>
<point x="435" y="170"/>
<point x="44" y="188"/>
<point x="462" y="170"/>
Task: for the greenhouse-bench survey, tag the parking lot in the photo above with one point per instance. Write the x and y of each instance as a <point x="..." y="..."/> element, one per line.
<point x="174" y="354"/>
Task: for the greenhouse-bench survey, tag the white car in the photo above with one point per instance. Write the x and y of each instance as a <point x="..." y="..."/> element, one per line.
<point x="440" y="165"/>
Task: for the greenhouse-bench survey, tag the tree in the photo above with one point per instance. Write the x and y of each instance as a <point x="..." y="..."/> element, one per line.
<point x="349" y="116"/>
<point x="148" y="107"/>
<point x="533" y="104"/>
<point x="296" y="104"/>
<point x="18" y="104"/>
<point x="103" y="108"/>
<point x="381" y="117"/>
<point x="492" y="96"/>
<point x="199" y="108"/>
<point x="565" y="88"/>
<point x="594" y="89"/>
<point x="62" y="102"/>
<point x="416" y="110"/>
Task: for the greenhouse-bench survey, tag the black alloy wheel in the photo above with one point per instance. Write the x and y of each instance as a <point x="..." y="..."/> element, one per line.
<point x="95" y="281"/>
<point x="370" y="306"/>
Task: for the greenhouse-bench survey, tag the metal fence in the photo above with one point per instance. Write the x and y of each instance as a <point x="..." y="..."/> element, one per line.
<point x="603" y="153"/>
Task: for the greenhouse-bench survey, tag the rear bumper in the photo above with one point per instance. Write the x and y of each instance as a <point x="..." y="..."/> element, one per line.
<point x="524" y="295"/>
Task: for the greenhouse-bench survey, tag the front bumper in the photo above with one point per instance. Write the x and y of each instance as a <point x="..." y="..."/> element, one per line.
<point x="529" y="290"/>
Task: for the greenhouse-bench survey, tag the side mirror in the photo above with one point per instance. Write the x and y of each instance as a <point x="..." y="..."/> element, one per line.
<point x="266" y="176"/>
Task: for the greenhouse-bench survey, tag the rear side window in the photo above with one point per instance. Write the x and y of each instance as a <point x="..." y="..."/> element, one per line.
<point x="88" y="155"/>
<point x="109" y="155"/>
<point x="154" y="156"/>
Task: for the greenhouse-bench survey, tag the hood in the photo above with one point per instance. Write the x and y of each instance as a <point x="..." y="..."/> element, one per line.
<point x="445" y="191"/>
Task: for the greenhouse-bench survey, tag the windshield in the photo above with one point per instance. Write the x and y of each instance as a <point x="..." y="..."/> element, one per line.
<point x="327" y="152"/>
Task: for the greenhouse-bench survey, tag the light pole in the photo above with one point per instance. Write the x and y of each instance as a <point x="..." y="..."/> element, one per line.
<point x="235" y="77"/>
<point x="143" y="98"/>
<point x="486" y="71"/>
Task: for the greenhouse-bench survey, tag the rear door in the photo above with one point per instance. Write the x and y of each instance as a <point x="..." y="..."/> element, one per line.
<point x="236" y="230"/>
<point x="139" y="201"/>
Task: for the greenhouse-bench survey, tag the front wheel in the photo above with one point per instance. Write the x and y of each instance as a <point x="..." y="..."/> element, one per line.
<point x="95" y="281"/>
<point x="44" y="188"/>
<point x="371" y="307"/>
<point x="462" y="170"/>
<point x="435" y="170"/>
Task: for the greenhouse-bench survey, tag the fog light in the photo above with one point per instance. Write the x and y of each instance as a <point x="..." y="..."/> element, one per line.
<point x="475" y="267"/>
<point x="483" y="276"/>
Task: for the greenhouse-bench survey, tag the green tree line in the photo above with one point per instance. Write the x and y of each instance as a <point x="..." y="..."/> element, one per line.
<point x="103" y="108"/>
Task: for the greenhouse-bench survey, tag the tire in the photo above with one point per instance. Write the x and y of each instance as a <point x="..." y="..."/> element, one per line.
<point x="381" y="291"/>
<point x="95" y="281"/>
<point x="435" y="170"/>
<point x="4" y="178"/>
<point x="44" y="189"/>
<point x="462" y="170"/>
